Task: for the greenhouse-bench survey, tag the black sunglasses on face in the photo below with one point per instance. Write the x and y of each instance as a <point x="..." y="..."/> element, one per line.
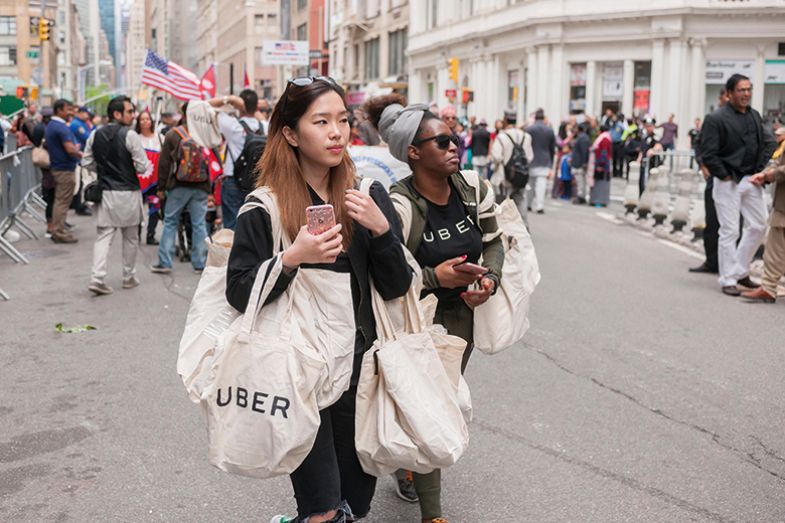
<point x="442" y="141"/>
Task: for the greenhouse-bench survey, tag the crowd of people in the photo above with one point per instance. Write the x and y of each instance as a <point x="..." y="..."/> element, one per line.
<point x="298" y="150"/>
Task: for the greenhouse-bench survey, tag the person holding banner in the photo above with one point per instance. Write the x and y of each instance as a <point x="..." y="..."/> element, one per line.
<point x="148" y="181"/>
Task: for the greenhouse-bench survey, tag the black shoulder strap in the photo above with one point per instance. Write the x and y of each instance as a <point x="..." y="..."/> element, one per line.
<point x="248" y="130"/>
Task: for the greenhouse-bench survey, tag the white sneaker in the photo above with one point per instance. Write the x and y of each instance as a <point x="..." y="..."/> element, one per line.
<point x="282" y="519"/>
<point x="130" y="283"/>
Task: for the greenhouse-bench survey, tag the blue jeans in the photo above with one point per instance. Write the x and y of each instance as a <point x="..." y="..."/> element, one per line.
<point x="178" y="199"/>
<point x="232" y="198"/>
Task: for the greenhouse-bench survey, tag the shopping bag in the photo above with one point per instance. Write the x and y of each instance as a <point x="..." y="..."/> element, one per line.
<point x="407" y="410"/>
<point x="260" y="397"/>
<point x="503" y="320"/>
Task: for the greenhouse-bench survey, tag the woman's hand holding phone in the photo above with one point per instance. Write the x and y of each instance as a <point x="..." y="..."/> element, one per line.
<point x="478" y="297"/>
<point x="362" y="209"/>
<point x="310" y="248"/>
<point x="450" y="278"/>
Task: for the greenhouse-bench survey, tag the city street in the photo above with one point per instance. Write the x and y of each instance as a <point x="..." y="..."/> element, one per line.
<point x="641" y="393"/>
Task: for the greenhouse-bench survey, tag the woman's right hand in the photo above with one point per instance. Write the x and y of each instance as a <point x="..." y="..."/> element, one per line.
<point x="310" y="248"/>
<point x="449" y="278"/>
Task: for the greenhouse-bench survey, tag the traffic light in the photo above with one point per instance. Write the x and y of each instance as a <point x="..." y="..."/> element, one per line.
<point x="34" y="25"/>
<point x="44" y="29"/>
<point x="22" y="92"/>
<point x="454" y="69"/>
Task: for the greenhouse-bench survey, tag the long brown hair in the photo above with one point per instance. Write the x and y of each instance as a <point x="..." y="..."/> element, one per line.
<point x="280" y="166"/>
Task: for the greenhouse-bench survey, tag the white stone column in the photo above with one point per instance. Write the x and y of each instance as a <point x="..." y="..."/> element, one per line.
<point x="697" y="86"/>
<point x="591" y="88"/>
<point x="443" y="82"/>
<point x="497" y="79"/>
<point x="531" y="82"/>
<point x="557" y="106"/>
<point x="520" y="102"/>
<point x="675" y="84"/>
<point x="758" y="76"/>
<point x="628" y="96"/>
<point x="543" y="67"/>
<point x="657" y="83"/>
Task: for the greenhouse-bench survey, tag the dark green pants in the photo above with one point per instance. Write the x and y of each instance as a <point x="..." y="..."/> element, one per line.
<point x="458" y="319"/>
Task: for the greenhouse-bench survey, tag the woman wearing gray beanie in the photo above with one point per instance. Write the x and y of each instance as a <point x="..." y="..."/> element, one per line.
<point x="438" y="209"/>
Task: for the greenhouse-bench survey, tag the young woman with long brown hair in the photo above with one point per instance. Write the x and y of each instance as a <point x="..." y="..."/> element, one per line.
<point x="306" y="163"/>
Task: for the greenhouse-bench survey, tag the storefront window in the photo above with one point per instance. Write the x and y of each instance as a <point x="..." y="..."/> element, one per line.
<point x="612" y="86"/>
<point x="717" y="73"/>
<point x="774" y="90"/>
<point x="513" y="81"/>
<point x="641" y="88"/>
<point x="577" y="88"/>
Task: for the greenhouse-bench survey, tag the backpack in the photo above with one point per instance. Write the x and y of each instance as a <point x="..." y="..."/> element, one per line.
<point x="245" y="172"/>
<point x="191" y="160"/>
<point x="516" y="170"/>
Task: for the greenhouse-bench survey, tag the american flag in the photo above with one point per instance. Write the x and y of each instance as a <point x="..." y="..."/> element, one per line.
<point x="170" y="77"/>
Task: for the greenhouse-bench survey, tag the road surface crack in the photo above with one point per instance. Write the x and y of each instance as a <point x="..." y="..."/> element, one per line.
<point x="608" y="474"/>
<point x="745" y="456"/>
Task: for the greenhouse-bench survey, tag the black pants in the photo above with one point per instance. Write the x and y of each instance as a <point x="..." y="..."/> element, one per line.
<point x="618" y="159"/>
<point x="711" y="234"/>
<point x="49" y="197"/>
<point x="331" y="472"/>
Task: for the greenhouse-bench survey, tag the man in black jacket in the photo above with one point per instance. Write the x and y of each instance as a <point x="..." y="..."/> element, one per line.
<point x="115" y="152"/>
<point x="481" y="148"/>
<point x="735" y="145"/>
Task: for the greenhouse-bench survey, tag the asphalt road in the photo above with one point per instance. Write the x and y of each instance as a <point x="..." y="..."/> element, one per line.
<point x="640" y="394"/>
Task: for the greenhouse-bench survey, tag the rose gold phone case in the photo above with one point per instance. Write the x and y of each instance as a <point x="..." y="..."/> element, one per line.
<point x="320" y="218"/>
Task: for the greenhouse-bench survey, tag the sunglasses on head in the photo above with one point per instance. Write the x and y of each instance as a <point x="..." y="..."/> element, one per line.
<point x="304" y="81"/>
<point x="308" y="80"/>
<point x="442" y="140"/>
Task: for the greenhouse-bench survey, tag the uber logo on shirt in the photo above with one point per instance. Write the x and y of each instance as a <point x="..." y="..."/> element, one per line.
<point x="444" y="233"/>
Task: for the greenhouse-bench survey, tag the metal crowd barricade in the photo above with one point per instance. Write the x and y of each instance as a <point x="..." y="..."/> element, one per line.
<point x="20" y="182"/>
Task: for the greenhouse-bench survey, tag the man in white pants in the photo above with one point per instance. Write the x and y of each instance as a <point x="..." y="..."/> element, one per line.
<point x="544" y="145"/>
<point x="735" y="145"/>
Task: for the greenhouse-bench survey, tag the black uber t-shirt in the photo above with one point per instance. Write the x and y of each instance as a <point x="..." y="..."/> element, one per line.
<point x="449" y="233"/>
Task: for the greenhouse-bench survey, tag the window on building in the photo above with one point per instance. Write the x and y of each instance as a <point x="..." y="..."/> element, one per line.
<point x="272" y="20"/>
<point x="258" y="21"/>
<point x="7" y="25"/>
<point x="7" y="55"/>
<point x="396" y="45"/>
<point x="356" y="61"/>
<point x="302" y="4"/>
<point x="431" y="10"/>
<point x="641" y="93"/>
<point x="577" y="88"/>
<point x="372" y="59"/>
<point x="302" y="31"/>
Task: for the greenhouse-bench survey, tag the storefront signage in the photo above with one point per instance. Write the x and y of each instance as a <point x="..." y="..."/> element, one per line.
<point x="450" y="93"/>
<point x="774" y="72"/>
<point x="718" y="71"/>
<point x="577" y="75"/>
<point x="285" y="52"/>
<point x="641" y="102"/>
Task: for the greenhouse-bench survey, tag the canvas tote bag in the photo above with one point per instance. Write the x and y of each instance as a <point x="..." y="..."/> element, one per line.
<point x="260" y="397"/>
<point x="503" y="320"/>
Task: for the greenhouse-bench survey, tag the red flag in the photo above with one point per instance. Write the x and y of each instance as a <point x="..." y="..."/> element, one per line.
<point x="207" y="83"/>
<point x="246" y="82"/>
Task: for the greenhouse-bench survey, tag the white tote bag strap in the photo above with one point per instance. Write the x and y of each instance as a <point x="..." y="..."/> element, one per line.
<point x="486" y="208"/>
<point x="263" y="285"/>
<point x="269" y="202"/>
<point x="365" y="185"/>
<point x="403" y="206"/>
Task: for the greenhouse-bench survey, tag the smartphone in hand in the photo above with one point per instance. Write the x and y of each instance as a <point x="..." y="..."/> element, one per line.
<point x="320" y="218"/>
<point x="470" y="268"/>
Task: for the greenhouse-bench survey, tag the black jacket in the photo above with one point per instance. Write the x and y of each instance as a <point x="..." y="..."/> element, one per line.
<point x="722" y="144"/>
<point x="381" y="258"/>
<point x="114" y="164"/>
<point x="580" y="152"/>
<point x="481" y="141"/>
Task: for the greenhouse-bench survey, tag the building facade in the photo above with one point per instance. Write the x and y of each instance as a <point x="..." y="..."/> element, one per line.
<point x="368" y="42"/>
<point x="576" y="56"/>
<point x="136" y="45"/>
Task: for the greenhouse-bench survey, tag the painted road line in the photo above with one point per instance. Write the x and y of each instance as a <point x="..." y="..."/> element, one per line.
<point x="609" y="217"/>
<point x="681" y="248"/>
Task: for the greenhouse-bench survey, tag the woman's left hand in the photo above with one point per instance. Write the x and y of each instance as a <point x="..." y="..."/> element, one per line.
<point x="363" y="210"/>
<point x="476" y="298"/>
